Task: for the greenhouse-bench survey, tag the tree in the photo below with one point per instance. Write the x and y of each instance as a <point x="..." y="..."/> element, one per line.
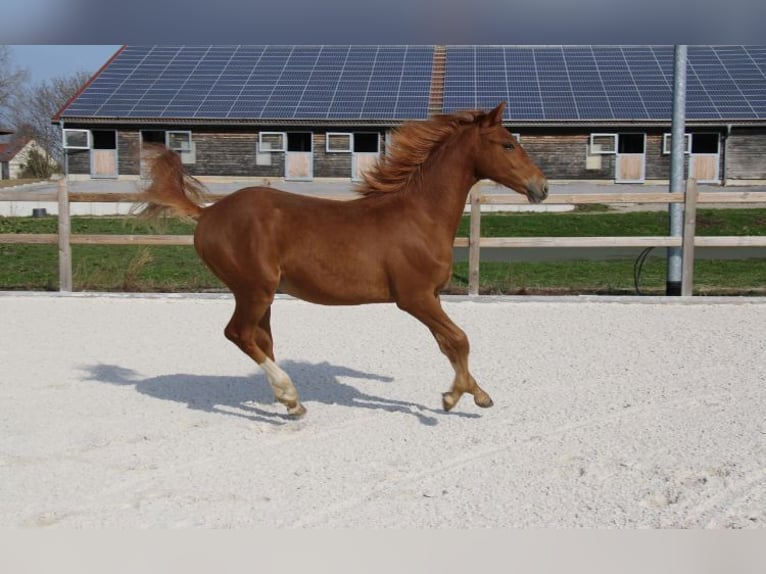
<point x="34" y="109"/>
<point x="11" y="81"/>
<point x="37" y="166"/>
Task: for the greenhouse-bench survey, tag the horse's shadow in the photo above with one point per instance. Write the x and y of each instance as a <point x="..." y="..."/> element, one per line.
<point x="240" y="396"/>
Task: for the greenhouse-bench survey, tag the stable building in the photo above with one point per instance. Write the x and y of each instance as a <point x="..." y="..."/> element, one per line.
<point x="599" y="113"/>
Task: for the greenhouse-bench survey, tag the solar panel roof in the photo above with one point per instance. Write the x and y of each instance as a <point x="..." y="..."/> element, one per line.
<point x="261" y="82"/>
<point x="325" y="83"/>
<point x="587" y="83"/>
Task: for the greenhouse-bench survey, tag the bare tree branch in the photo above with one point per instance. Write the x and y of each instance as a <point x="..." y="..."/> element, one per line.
<point x="11" y="81"/>
<point x="34" y="110"/>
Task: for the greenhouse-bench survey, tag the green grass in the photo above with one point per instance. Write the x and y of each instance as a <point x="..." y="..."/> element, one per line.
<point x="96" y="225"/>
<point x="711" y="277"/>
<point x="585" y="224"/>
<point x="107" y="268"/>
<point x="177" y="268"/>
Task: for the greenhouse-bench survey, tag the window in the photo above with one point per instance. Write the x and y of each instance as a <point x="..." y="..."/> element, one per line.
<point x="667" y="143"/>
<point x="300" y="141"/>
<point x="76" y="139"/>
<point x="181" y="142"/>
<point x="603" y="144"/>
<point x="366" y="142"/>
<point x="272" y="141"/>
<point x="705" y="143"/>
<point x="358" y="142"/>
<point x="153" y="136"/>
<point x="339" y="142"/>
<point x="104" y="139"/>
<point x="630" y="143"/>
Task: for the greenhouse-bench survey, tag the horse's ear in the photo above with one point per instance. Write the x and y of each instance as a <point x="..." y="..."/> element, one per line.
<point x="495" y="117"/>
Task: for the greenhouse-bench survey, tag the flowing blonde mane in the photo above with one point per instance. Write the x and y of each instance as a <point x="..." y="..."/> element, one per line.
<point x="412" y="145"/>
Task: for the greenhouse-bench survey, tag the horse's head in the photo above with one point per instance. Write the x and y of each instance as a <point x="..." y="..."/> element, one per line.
<point x="500" y="158"/>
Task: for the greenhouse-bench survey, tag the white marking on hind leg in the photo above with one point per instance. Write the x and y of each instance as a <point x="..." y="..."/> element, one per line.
<point x="283" y="387"/>
<point x="280" y="381"/>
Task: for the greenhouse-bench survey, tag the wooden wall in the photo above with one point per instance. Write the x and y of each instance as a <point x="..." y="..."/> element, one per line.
<point x="78" y="162"/>
<point x="746" y="154"/>
<point x="657" y="164"/>
<point x="128" y="149"/>
<point x="563" y="156"/>
<point x="561" y="153"/>
<point x="329" y="164"/>
<point x="231" y="154"/>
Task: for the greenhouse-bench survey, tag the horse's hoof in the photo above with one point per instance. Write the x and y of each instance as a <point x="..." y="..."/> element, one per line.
<point x="483" y="400"/>
<point x="297" y="411"/>
<point x="448" y="401"/>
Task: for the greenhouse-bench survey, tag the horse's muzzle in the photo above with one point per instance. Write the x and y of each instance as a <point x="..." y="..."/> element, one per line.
<point x="537" y="191"/>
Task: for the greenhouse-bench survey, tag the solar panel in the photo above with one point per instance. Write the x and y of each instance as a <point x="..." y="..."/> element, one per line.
<point x="262" y="82"/>
<point x="539" y="83"/>
<point x="606" y="82"/>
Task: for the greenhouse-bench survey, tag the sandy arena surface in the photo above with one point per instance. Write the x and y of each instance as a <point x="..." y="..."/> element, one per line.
<point x="134" y="411"/>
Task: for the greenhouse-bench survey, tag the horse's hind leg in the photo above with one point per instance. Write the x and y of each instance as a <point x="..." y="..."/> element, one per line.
<point x="453" y="342"/>
<point x="250" y="329"/>
<point x="264" y="339"/>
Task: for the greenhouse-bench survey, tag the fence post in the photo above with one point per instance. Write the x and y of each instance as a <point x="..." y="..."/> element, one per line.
<point x="64" y="232"/>
<point x="474" y="239"/>
<point x="690" y="219"/>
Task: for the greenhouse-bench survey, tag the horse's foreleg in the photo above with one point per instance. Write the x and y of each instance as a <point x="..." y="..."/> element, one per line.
<point x="453" y="342"/>
<point x="452" y="346"/>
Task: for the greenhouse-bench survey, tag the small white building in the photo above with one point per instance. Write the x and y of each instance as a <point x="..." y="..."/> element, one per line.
<point x="14" y="155"/>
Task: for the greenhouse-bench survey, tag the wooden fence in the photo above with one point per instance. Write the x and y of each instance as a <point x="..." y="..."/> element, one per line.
<point x="474" y="242"/>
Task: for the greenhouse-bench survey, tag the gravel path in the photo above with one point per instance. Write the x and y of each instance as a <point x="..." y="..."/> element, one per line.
<point x="134" y="411"/>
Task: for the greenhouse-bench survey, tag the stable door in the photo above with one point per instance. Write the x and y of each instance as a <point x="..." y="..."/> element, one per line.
<point x="299" y="157"/>
<point x="630" y="164"/>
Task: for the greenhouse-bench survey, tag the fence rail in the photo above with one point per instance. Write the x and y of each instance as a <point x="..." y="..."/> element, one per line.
<point x="474" y="242"/>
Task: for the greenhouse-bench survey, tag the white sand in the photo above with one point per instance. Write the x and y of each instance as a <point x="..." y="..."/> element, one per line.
<point x="136" y="412"/>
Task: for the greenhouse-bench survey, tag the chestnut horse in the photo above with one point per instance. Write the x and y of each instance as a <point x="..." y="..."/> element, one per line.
<point x="391" y="244"/>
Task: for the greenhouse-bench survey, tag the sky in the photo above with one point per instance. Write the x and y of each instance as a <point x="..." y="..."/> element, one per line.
<point x="44" y="61"/>
<point x="52" y="38"/>
<point x="384" y="22"/>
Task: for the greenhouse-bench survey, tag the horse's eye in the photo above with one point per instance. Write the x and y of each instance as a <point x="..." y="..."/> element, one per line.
<point x="508" y="146"/>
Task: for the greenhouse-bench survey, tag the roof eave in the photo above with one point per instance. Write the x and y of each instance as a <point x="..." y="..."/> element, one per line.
<point x="231" y="122"/>
<point x="516" y="123"/>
